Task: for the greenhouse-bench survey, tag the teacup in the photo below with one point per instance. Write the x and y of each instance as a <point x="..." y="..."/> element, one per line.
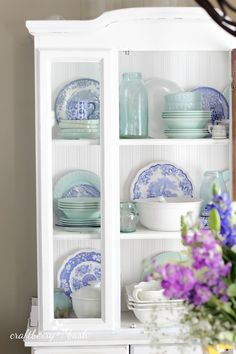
<point x="148" y="291"/>
<point x="224" y="122"/>
<point x="217" y="131"/>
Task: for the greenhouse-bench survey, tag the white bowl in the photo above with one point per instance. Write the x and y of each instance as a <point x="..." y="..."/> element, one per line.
<point x="148" y="291"/>
<point x="166" y="216"/>
<point x="87" y="301"/>
<point x="86" y="308"/>
<point x="168" y="315"/>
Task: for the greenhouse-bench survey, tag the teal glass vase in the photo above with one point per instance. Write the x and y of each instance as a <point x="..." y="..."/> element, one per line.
<point x="133" y="107"/>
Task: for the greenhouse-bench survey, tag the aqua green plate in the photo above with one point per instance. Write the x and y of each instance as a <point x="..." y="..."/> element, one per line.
<point x="76" y="184"/>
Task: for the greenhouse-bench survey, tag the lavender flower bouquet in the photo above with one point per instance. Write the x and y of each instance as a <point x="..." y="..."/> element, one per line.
<point x="207" y="282"/>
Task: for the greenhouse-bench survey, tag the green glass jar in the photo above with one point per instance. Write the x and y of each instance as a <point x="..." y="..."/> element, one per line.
<point x="133" y="106"/>
<point x="128" y="217"/>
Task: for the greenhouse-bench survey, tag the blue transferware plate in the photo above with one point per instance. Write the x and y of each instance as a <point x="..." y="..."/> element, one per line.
<point x="76" y="184"/>
<point x="79" y="270"/>
<point x="214" y="101"/>
<point x="78" y="90"/>
<point x="161" y="179"/>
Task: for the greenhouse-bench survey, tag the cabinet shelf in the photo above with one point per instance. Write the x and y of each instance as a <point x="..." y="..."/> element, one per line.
<point x="171" y="142"/>
<point x="63" y="235"/>
<point x="140" y="234"/>
<point x="144" y="234"/>
<point x="75" y="142"/>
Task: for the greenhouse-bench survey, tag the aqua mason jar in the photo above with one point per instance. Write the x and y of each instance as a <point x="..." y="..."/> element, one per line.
<point x="128" y="217"/>
<point x="210" y="179"/>
<point x="133" y="106"/>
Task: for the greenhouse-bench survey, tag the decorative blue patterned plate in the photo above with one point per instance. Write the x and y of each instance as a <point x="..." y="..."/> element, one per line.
<point x="79" y="270"/>
<point x="78" y="90"/>
<point x="79" y="183"/>
<point x="161" y="179"/>
<point x="214" y="101"/>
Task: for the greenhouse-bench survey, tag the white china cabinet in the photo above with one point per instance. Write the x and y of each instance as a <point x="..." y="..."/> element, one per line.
<point x="179" y="44"/>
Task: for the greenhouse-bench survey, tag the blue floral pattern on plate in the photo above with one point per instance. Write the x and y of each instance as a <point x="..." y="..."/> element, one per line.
<point x="161" y="179"/>
<point x="78" y="90"/>
<point x="79" y="270"/>
<point x="82" y="190"/>
<point x="214" y="101"/>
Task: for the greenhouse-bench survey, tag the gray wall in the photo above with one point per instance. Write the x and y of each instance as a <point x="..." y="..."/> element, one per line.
<point x="17" y="177"/>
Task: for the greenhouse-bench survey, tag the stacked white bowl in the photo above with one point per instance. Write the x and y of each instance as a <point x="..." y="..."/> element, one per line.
<point x="184" y="116"/>
<point x="147" y="297"/>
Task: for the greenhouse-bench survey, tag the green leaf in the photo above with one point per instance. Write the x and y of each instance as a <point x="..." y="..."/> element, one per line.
<point x="215" y="190"/>
<point x="184" y="227"/>
<point x="214" y="220"/>
<point x="231" y="291"/>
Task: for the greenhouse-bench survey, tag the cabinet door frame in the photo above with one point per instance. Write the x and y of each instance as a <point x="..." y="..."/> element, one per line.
<point x="109" y="145"/>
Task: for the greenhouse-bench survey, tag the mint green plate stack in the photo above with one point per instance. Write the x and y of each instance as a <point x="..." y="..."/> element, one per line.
<point x="76" y="212"/>
<point x="79" y="129"/>
<point x="184" y="117"/>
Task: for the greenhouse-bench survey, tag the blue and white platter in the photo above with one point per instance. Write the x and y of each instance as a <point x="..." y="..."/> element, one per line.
<point x="79" y="270"/>
<point x="214" y="101"/>
<point x="161" y="178"/>
<point x="76" y="184"/>
<point x="78" y="90"/>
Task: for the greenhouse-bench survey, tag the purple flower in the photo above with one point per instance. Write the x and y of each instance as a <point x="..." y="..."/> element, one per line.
<point x="177" y="281"/>
<point x="222" y="204"/>
<point x="202" y="294"/>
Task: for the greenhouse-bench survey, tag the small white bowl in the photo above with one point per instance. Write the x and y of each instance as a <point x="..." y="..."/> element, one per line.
<point x="148" y="291"/>
<point x="166" y="216"/>
<point x="86" y="308"/>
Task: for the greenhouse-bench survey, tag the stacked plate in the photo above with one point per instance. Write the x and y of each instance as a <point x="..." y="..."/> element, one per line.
<point x="168" y="311"/>
<point x="77" y="109"/>
<point x="79" y="129"/>
<point x="186" y="124"/>
<point x="79" y="211"/>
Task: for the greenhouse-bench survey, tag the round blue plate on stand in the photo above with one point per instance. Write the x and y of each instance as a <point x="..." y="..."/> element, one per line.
<point x="214" y="101"/>
<point x="161" y="179"/>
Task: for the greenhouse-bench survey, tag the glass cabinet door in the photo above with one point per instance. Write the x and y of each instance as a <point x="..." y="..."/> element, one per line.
<point x="77" y="149"/>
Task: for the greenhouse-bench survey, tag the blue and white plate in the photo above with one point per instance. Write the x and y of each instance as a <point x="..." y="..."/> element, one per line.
<point x="76" y="184"/>
<point x="214" y="101"/>
<point x="78" y="90"/>
<point x="79" y="270"/>
<point x="161" y="179"/>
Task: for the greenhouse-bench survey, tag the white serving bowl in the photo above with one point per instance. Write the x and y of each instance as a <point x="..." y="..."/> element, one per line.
<point x="166" y="215"/>
<point x="168" y="315"/>
<point x="87" y="301"/>
<point x="86" y="308"/>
